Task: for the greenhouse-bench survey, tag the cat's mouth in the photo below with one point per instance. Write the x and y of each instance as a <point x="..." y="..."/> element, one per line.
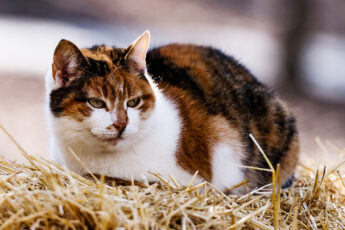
<point x="107" y="136"/>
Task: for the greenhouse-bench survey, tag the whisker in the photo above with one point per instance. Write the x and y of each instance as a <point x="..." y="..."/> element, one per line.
<point x="104" y="133"/>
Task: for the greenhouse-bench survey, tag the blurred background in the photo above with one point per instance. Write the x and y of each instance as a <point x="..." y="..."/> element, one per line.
<point x="296" y="47"/>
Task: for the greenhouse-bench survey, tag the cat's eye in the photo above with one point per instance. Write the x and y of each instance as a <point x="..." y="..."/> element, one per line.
<point x="96" y="103"/>
<point x="133" y="102"/>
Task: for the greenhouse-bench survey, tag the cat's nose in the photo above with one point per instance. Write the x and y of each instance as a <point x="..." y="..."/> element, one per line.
<point x="120" y="126"/>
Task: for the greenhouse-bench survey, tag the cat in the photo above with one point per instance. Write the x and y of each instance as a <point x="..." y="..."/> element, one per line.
<point x="175" y="110"/>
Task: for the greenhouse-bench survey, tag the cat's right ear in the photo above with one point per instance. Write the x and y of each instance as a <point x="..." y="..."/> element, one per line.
<point x="136" y="55"/>
<point x="68" y="60"/>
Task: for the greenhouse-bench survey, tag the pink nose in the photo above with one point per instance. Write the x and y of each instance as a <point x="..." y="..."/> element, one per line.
<point x="120" y="125"/>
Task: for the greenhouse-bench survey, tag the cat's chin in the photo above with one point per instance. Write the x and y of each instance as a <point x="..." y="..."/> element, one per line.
<point x="114" y="141"/>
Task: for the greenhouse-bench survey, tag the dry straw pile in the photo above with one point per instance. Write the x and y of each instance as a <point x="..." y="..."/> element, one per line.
<point x="42" y="195"/>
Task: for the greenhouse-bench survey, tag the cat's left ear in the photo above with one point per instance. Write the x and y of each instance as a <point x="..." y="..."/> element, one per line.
<point x="68" y="62"/>
<point x="137" y="51"/>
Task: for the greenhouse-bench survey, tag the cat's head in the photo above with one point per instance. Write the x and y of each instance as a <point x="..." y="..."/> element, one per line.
<point x="101" y="92"/>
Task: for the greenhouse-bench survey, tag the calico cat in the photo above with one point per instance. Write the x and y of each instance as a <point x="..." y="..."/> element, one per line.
<point x="175" y="110"/>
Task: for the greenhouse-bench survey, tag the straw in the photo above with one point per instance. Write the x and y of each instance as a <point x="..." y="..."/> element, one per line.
<point x="40" y="194"/>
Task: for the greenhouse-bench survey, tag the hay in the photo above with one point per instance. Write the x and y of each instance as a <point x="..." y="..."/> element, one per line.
<point x="40" y="194"/>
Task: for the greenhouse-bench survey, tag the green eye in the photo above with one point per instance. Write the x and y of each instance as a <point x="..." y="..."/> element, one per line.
<point x="96" y="103"/>
<point x="133" y="102"/>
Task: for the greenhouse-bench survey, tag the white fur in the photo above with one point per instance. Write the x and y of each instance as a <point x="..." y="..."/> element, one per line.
<point x="225" y="171"/>
<point x="148" y="145"/>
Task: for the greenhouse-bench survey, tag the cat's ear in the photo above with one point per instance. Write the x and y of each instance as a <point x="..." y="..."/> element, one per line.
<point x="68" y="60"/>
<point x="137" y="51"/>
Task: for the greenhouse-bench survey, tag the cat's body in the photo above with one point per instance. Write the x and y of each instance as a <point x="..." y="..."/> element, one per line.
<point x="196" y="110"/>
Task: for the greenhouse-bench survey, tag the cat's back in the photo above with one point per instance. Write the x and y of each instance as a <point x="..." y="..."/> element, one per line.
<point x="209" y="77"/>
<point x="191" y="66"/>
